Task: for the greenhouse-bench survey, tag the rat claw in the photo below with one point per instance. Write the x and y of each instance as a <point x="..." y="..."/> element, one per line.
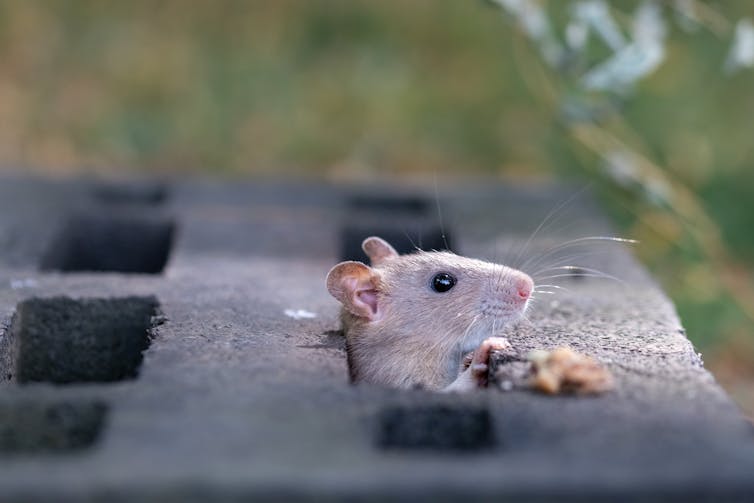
<point x="479" y="365"/>
<point x="466" y="362"/>
<point x="482" y="353"/>
<point x="475" y="365"/>
<point x="497" y="343"/>
<point x="479" y="374"/>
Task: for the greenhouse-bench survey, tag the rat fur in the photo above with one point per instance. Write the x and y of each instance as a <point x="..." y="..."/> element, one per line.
<point x="402" y="332"/>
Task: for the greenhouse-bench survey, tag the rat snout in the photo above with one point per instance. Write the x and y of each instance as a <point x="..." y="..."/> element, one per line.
<point x="523" y="285"/>
<point x="516" y="289"/>
<point x="510" y="295"/>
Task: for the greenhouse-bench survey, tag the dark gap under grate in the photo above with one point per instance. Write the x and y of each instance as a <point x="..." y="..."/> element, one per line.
<point x="106" y="243"/>
<point x="426" y="238"/>
<point x="32" y="427"/>
<point x="435" y="427"/>
<point x="133" y="193"/>
<point x="414" y="205"/>
<point x="62" y="340"/>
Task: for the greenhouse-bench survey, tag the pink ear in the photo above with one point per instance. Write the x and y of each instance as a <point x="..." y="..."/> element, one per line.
<point x="355" y="286"/>
<point x="378" y="250"/>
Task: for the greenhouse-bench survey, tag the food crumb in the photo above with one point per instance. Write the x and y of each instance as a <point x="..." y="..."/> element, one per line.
<point x="563" y="370"/>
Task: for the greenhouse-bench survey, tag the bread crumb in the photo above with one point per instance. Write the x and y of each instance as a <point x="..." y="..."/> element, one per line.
<point x="563" y="370"/>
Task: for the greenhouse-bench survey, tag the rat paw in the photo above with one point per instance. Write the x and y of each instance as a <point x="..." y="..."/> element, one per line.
<point x="495" y="344"/>
<point x="476" y="365"/>
<point x="479" y="366"/>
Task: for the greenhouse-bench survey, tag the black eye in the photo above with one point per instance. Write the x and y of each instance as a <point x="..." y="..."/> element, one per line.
<point x="442" y="282"/>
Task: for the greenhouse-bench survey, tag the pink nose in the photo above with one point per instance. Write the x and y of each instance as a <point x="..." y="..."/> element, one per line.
<point x="524" y="286"/>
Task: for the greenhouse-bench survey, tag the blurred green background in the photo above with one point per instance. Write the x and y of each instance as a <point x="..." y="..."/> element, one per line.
<point x="353" y="89"/>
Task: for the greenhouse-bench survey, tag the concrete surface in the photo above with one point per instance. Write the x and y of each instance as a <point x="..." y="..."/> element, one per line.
<point x="237" y="401"/>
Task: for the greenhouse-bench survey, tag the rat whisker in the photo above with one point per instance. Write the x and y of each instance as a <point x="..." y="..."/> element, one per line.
<point x="439" y="213"/>
<point x="533" y="303"/>
<point x="586" y="275"/>
<point x="552" y="286"/>
<point x="497" y="274"/>
<point x="573" y="276"/>
<point x="557" y="255"/>
<point x="589" y="239"/>
<point x="473" y="321"/>
<point x="411" y="240"/>
<point x="466" y="332"/>
<point x="577" y="270"/>
<point x="547" y="218"/>
<point x="577" y="242"/>
<point x="569" y="259"/>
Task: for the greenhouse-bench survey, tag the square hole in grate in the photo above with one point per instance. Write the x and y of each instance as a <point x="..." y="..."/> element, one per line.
<point x="133" y="193"/>
<point x="435" y="427"/>
<point x="33" y="427"/>
<point x="415" y="205"/>
<point x="403" y="240"/>
<point x="128" y="244"/>
<point x="62" y="340"/>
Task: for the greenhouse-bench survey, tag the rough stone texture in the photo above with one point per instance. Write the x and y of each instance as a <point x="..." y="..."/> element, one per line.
<point x="236" y="401"/>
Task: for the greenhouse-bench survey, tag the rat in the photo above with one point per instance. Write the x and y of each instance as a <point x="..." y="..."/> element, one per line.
<point x="425" y="319"/>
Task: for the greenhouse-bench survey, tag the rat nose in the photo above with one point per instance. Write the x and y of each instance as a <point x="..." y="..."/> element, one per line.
<point x="524" y="286"/>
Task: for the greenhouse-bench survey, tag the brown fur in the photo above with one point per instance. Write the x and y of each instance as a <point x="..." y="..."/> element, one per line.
<point x="402" y="333"/>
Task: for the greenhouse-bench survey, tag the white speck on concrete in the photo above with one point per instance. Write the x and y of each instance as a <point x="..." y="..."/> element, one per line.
<point x="299" y="314"/>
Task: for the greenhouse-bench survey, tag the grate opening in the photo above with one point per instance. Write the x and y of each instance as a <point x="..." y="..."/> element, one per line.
<point x="389" y="204"/>
<point x="435" y="427"/>
<point x="427" y="238"/>
<point x="33" y="427"/>
<point x="62" y="340"/>
<point x="127" y="244"/>
<point x="135" y="193"/>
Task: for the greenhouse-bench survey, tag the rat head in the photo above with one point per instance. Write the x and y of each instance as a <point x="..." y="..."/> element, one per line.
<point x="438" y="299"/>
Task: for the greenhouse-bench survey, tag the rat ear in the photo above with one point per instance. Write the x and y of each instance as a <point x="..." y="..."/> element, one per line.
<point x="355" y="286"/>
<point x="378" y="250"/>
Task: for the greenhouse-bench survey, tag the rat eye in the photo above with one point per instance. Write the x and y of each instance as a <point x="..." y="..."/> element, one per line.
<point x="442" y="282"/>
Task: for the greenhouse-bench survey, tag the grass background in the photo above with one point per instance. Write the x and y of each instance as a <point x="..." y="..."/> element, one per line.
<point x="356" y="88"/>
